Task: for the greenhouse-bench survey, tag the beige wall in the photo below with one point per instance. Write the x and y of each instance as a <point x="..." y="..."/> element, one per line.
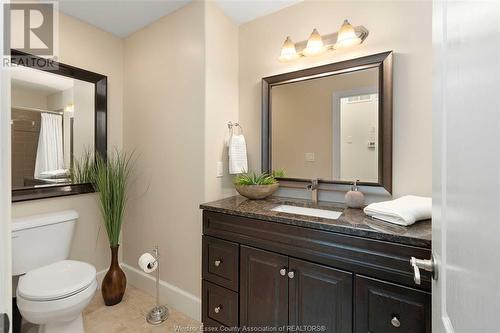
<point x="401" y="26"/>
<point x="302" y="118"/>
<point x="164" y="123"/>
<point x="60" y="99"/>
<point x="175" y="120"/>
<point x="87" y="47"/>
<point x="221" y="97"/>
<point x="84" y="118"/>
<point x="28" y="98"/>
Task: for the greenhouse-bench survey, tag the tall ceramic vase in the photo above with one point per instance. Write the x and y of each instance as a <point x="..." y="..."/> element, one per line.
<point x="115" y="281"/>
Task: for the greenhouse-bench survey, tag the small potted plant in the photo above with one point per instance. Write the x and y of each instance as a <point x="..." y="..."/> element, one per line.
<point x="253" y="186"/>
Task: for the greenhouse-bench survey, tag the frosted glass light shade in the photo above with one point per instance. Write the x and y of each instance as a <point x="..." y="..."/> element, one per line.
<point x="347" y="36"/>
<point x="288" y="51"/>
<point x="315" y="44"/>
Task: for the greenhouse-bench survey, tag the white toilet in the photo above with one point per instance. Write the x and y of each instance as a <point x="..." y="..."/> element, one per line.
<point x="53" y="291"/>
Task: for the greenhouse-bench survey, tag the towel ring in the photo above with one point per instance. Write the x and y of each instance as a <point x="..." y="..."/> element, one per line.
<point x="231" y="125"/>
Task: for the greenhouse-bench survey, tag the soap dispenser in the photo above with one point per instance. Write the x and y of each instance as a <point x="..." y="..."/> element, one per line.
<point x="355" y="198"/>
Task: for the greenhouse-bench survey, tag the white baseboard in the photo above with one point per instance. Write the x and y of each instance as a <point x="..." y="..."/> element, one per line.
<point x="173" y="296"/>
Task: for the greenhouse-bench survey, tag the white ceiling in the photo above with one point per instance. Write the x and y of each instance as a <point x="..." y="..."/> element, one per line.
<point x="120" y="17"/>
<point x="242" y="11"/>
<point x="123" y="17"/>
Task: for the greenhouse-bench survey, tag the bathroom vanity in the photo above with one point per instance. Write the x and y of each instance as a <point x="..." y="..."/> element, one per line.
<point x="266" y="268"/>
<point x="271" y="266"/>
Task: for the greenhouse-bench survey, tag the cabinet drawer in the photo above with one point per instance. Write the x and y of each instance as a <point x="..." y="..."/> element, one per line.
<point x="220" y="262"/>
<point x="220" y="305"/>
<point x="382" y="307"/>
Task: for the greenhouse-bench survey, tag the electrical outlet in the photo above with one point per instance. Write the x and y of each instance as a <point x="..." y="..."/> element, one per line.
<point x="220" y="169"/>
<point x="310" y="157"/>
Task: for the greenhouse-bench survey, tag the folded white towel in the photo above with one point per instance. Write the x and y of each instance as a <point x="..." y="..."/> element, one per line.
<point x="403" y="211"/>
<point x="54" y="173"/>
<point x="238" y="162"/>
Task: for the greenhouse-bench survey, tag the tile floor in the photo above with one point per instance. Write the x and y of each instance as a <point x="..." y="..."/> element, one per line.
<point x="129" y="316"/>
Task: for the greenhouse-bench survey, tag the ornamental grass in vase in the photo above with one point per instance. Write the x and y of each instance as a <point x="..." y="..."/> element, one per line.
<point x="256" y="187"/>
<point x="109" y="178"/>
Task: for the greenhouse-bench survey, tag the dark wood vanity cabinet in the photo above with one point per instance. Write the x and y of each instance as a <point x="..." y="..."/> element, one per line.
<point x="263" y="274"/>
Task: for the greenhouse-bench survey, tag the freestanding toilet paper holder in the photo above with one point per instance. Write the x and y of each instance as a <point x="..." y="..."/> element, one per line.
<point x="159" y="313"/>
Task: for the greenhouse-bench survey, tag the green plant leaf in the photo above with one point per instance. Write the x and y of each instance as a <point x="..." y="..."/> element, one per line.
<point x="254" y="179"/>
<point x="110" y="177"/>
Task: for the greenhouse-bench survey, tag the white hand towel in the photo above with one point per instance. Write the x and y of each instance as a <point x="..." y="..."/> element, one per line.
<point x="54" y="173"/>
<point x="238" y="162"/>
<point x="403" y="211"/>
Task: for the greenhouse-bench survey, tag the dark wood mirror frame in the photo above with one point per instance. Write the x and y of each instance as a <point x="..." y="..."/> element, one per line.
<point x="382" y="61"/>
<point x="100" y="133"/>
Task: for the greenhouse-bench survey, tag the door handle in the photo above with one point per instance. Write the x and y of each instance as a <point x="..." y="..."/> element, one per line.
<point x="283" y="271"/>
<point x="428" y="265"/>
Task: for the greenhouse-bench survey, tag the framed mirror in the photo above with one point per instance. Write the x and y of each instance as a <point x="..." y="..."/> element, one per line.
<point x="332" y="122"/>
<point x="57" y="115"/>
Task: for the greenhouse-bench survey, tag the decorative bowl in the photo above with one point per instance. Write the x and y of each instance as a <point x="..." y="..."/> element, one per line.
<point x="256" y="192"/>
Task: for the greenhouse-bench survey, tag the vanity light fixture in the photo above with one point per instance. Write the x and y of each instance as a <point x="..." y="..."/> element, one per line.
<point x="315" y="44"/>
<point x="347" y="36"/>
<point x="288" y="51"/>
<point x="69" y="110"/>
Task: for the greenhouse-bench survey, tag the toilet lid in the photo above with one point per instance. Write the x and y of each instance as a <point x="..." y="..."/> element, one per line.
<point x="58" y="280"/>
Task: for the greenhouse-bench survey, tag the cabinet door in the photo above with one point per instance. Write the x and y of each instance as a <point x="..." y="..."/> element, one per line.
<point x="320" y="296"/>
<point x="383" y="307"/>
<point x="263" y="290"/>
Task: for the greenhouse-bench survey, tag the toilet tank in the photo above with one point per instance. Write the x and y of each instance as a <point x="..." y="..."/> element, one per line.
<point x="39" y="240"/>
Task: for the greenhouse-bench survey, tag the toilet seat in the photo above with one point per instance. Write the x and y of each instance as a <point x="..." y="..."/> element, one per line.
<point x="56" y="281"/>
<point x="55" y="312"/>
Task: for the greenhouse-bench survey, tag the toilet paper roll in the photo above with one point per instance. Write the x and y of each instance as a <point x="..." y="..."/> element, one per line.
<point x="147" y="263"/>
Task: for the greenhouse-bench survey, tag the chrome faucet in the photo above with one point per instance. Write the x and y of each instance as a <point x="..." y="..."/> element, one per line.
<point x="313" y="187"/>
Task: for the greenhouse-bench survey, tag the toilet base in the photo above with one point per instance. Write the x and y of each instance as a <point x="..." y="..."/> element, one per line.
<point x="74" y="326"/>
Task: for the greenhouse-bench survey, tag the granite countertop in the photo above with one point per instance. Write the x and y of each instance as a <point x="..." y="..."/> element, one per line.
<point x="351" y="222"/>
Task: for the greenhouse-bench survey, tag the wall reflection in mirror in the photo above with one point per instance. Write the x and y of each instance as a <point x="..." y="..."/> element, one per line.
<point x="52" y="123"/>
<point x="327" y="127"/>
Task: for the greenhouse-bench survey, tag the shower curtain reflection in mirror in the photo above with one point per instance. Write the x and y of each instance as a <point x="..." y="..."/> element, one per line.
<point x="49" y="155"/>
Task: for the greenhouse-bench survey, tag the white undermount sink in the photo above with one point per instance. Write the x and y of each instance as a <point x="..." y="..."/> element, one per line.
<point x="327" y="214"/>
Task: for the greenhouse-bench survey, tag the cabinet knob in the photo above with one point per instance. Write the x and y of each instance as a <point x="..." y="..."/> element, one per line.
<point x="283" y="271"/>
<point x="291" y="274"/>
<point x="217" y="263"/>
<point x="395" y="322"/>
<point x="218" y="309"/>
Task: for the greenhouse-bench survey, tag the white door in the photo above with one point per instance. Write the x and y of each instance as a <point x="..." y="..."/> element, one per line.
<point x="5" y="196"/>
<point x="466" y="166"/>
